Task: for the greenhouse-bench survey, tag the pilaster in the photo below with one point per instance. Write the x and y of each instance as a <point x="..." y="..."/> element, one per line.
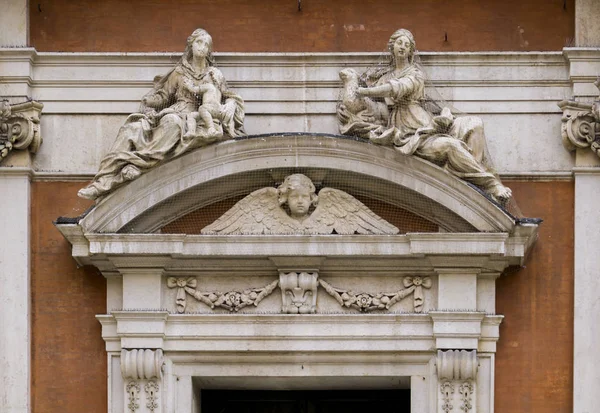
<point x="15" y="312"/>
<point x="14" y="23"/>
<point x="587" y="23"/>
<point x="581" y="135"/>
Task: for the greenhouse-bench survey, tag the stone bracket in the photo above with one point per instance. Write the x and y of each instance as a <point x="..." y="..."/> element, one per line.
<point x="142" y="374"/>
<point x="19" y="127"/>
<point x="457" y="370"/>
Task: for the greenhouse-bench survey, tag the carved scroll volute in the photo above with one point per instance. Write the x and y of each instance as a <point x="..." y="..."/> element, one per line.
<point x="578" y="129"/>
<point x="298" y="292"/>
<point x="141" y="364"/>
<point x="457" y="365"/>
<point x="20" y="127"/>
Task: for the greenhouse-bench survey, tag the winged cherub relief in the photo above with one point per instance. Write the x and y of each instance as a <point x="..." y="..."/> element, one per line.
<point x="295" y="208"/>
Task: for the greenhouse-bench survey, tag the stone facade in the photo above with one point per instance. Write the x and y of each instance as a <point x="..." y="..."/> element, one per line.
<point x="466" y="308"/>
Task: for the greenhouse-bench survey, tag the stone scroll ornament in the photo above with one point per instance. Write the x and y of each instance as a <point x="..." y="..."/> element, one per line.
<point x="19" y="127"/>
<point x="295" y="208"/>
<point x="580" y="127"/>
<point x="385" y="106"/>
<point x="189" y="107"/>
<point x="299" y="294"/>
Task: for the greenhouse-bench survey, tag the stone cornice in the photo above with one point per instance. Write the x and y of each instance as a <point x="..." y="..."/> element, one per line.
<point x="226" y="333"/>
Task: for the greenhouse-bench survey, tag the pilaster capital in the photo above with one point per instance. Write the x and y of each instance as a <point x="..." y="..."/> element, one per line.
<point x="19" y="128"/>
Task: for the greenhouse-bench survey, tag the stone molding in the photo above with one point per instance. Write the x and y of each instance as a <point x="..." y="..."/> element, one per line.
<point x="220" y="333"/>
<point x="494" y="251"/>
<point x="129" y="75"/>
<point x="20" y="127"/>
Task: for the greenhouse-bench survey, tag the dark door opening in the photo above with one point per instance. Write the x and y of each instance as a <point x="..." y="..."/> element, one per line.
<point x="304" y="401"/>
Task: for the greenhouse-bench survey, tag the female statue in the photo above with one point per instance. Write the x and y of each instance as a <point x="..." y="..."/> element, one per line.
<point x="385" y="106"/>
<point x="194" y="90"/>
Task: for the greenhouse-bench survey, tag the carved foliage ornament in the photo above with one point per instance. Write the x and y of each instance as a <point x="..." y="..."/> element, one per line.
<point x="457" y="366"/>
<point x="133" y="393"/>
<point x="19" y="127"/>
<point x="580" y="127"/>
<point x="295" y="208"/>
<point x="299" y="294"/>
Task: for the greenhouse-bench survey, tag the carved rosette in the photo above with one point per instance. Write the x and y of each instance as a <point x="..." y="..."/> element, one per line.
<point x="19" y="127"/>
<point x="457" y="367"/>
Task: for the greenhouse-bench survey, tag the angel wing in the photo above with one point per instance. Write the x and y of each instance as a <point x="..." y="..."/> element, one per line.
<point x="340" y="212"/>
<point x="258" y="213"/>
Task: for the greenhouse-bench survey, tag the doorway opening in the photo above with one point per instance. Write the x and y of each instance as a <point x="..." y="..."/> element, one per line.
<point x="304" y="401"/>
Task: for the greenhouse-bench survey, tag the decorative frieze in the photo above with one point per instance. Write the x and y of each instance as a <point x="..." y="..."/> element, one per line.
<point x="299" y="294"/>
<point x="19" y="127"/>
<point x="230" y="300"/>
<point x="380" y="301"/>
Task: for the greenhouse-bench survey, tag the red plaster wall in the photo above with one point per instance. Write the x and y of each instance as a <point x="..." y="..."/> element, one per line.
<point x="321" y="26"/>
<point x="69" y="372"/>
<point x="534" y="362"/>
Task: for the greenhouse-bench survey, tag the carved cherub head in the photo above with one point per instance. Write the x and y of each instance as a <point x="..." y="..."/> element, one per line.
<point x="299" y="193"/>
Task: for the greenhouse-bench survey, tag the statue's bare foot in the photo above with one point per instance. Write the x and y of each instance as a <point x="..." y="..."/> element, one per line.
<point x="214" y="133"/>
<point x="131" y="172"/>
<point x="89" y="192"/>
<point x="500" y="192"/>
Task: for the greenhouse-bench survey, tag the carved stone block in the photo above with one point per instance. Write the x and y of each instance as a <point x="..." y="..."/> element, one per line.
<point x="298" y="292"/>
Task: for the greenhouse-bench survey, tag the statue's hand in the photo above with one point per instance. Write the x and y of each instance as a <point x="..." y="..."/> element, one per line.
<point x="363" y="91"/>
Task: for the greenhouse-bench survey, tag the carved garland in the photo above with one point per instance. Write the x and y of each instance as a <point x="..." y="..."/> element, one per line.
<point x="299" y="294"/>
